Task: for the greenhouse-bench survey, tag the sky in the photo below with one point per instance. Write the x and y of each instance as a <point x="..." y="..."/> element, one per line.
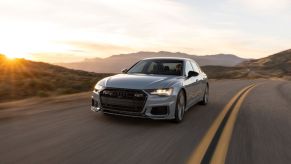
<point x="71" y="30"/>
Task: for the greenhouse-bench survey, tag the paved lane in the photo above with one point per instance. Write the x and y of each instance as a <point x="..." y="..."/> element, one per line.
<point x="262" y="133"/>
<point x="68" y="132"/>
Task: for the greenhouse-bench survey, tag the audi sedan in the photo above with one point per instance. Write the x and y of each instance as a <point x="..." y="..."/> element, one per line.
<point x="156" y="88"/>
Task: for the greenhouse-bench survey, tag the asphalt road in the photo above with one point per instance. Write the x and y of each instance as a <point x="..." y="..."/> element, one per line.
<point x="64" y="130"/>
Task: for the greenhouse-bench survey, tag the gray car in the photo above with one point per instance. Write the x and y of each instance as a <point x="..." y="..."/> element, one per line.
<point x="156" y="88"/>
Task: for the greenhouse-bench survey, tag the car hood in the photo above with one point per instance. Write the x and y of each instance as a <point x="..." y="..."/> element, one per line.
<point x="140" y="81"/>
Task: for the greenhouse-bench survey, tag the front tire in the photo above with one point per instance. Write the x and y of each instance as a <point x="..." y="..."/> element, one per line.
<point x="180" y="107"/>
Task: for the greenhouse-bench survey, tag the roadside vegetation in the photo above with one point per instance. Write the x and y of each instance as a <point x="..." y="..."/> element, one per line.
<point x="20" y="78"/>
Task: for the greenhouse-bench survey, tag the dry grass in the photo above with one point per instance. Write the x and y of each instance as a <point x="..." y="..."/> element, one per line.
<point x="21" y="79"/>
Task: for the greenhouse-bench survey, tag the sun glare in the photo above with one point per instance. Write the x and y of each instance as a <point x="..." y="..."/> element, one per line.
<point x="12" y="56"/>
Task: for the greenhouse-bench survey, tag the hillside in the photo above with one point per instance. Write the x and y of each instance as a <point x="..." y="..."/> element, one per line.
<point x="276" y="65"/>
<point x="221" y="72"/>
<point x="117" y="62"/>
<point x="275" y="60"/>
<point x="20" y="78"/>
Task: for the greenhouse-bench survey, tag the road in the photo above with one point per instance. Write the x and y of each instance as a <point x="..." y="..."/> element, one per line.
<point x="64" y="130"/>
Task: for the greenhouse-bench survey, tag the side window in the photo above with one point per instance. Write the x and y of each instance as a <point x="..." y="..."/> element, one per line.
<point x="188" y="67"/>
<point x="196" y="67"/>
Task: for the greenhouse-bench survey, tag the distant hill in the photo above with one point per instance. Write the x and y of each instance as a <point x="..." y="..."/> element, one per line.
<point x="20" y="78"/>
<point x="115" y="63"/>
<point x="281" y="59"/>
<point x="277" y="65"/>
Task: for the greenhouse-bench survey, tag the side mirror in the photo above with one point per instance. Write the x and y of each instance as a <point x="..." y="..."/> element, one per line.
<point x="192" y="73"/>
<point x="124" y="70"/>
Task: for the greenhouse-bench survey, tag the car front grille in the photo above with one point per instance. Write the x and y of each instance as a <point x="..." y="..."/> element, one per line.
<point x="123" y="100"/>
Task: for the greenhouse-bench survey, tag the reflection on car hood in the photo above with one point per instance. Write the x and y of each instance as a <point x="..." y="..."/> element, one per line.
<point x="140" y="81"/>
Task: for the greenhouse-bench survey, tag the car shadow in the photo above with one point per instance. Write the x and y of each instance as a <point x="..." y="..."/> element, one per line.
<point x="132" y="121"/>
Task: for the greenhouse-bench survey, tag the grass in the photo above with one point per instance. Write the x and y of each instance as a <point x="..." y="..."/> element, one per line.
<point x="20" y="78"/>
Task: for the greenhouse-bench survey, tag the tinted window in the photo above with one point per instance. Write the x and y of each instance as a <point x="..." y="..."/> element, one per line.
<point x="158" y="66"/>
<point x="188" y="68"/>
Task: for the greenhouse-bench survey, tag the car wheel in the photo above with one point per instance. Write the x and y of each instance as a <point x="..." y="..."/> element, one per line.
<point x="180" y="107"/>
<point x="205" y="96"/>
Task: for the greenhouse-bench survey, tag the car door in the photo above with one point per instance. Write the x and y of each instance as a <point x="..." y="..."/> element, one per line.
<point x="190" y="84"/>
<point x="200" y="79"/>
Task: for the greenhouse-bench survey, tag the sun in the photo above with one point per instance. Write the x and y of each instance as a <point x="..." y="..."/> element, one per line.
<point x="12" y="56"/>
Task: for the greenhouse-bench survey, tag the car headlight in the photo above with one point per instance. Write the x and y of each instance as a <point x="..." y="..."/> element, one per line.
<point x="98" y="87"/>
<point x="161" y="92"/>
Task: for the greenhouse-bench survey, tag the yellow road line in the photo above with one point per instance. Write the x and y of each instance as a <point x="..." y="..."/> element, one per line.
<point x="201" y="149"/>
<point x="220" y="153"/>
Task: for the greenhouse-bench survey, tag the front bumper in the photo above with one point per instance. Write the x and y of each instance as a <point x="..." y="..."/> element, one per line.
<point x="151" y="105"/>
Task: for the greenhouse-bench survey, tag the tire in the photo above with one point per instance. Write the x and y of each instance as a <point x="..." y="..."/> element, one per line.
<point x="205" y="99"/>
<point x="180" y="107"/>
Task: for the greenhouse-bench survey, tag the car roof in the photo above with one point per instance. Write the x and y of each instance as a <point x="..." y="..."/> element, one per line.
<point x="170" y="58"/>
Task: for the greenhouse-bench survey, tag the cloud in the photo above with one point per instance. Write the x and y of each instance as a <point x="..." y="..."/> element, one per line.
<point x="78" y="51"/>
<point x="90" y="28"/>
<point x="265" y="5"/>
<point x="139" y="24"/>
<point x="57" y="57"/>
<point x="98" y="49"/>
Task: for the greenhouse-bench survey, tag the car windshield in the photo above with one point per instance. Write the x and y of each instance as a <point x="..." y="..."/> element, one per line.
<point x="158" y="67"/>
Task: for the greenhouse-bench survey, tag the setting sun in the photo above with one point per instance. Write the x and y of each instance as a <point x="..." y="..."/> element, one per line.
<point x="12" y="56"/>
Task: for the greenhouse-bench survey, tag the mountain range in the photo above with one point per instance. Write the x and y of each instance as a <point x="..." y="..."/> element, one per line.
<point x="115" y="63"/>
<point x="218" y="66"/>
